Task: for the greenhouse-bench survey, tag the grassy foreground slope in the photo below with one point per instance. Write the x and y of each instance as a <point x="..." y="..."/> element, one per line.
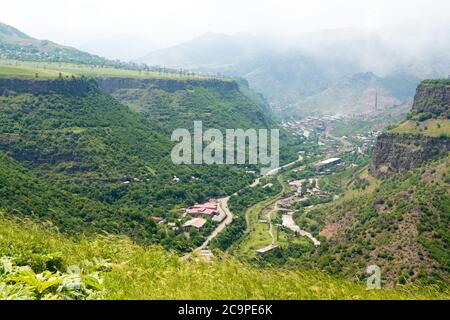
<point x="127" y="271"/>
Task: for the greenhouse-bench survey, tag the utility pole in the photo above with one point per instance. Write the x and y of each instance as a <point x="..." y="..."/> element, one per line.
<point x="376" y="101"/>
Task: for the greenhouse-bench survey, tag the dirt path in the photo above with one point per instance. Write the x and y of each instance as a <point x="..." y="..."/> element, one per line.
<point x="269" y="216"/>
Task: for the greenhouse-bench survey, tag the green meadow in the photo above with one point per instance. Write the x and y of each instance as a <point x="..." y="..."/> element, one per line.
<point x="45" y="71"/>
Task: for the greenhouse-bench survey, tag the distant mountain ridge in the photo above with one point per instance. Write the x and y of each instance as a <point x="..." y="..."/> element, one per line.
<point x="298" y="75"/>
<point x="210" y="51"/>
<point x="16" y="45"/>
<point x="358" y="93"/>
<point x="11" y="32"/>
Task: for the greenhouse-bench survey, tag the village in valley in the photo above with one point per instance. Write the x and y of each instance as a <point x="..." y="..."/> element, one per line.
<point x="335" y="152"/>
<point x="330" y="142"/>
<point x="197" y="216"/>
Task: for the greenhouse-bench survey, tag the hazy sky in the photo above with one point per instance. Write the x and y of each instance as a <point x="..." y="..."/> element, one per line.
<point x="170" y="21"/>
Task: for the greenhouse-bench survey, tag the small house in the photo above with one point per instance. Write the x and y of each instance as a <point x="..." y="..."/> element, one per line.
<point x="196" y="223"/>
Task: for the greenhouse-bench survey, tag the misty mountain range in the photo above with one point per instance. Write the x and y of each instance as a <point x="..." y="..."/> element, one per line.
<point x="334" y="71"/>
<point x="338" y="71"/>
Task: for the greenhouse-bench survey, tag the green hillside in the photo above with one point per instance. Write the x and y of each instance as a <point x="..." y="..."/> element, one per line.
<point x="78" y="138"/>
<point x="38" y="263"/>
<point x="68" y="131"/>
<point x="218" y="103"/>
<point x="219" y="107"/>
<point x="24" y="194"/>
<point x="72" y="127"/>
<point x="399" y="224"/>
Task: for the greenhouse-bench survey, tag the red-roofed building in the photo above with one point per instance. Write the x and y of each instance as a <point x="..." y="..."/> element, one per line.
<point x="206" y="209"/>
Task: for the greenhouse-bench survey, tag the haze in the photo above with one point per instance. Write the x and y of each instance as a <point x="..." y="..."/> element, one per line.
<point x="142" y="26"/>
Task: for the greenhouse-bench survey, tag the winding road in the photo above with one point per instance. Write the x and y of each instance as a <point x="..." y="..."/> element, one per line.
<point x="288" y="222"/>
<point x="223" y="208"/>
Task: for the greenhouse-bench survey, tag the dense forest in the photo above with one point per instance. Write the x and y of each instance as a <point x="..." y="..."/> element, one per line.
<point x="87" y="144"/>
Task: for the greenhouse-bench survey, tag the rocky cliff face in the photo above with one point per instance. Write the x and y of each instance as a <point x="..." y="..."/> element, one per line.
<point x="397" y="152"/>
<point x="59" y="86"/>
<point x="433" y="96"/>
<point x="112" y="84"/>
<point x="77" y="86"/>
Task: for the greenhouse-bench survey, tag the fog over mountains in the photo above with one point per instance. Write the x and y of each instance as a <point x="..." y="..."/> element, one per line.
<point x="302" y="74"/>
<point x="335" y="71"/>
<point x="123" y="47"/>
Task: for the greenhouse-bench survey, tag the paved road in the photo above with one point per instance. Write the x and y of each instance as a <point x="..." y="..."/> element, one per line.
<point x="276" y="170"/>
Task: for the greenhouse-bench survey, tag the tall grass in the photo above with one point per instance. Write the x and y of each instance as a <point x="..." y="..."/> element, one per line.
<point x="152" y="273"/>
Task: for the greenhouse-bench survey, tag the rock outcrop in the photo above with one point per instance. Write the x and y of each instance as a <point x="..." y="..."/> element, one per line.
<point x="75" y="86"/>
<point x="433" y="96"/>
<point x="78" y="86"/>
<point x="111" y="84"/>
<point x="397" y="152"/>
